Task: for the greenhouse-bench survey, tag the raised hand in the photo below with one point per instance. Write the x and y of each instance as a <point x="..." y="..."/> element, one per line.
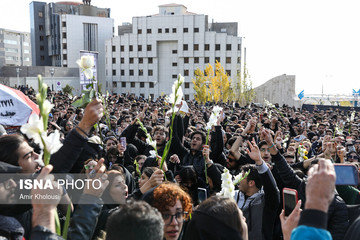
<point x="254" y="152"/>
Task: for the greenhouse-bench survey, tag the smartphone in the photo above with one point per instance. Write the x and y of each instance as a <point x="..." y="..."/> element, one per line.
<point x="202" y="194"/>
<point x="123" y="142"/>
<point x="290" y="198"/>
<point x="346" y="174"/>
<point x="299" y="138"/>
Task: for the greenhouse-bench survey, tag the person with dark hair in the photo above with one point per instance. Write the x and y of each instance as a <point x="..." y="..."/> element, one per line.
<point x="217" y="218"/>
<point x="135" y="221"/>
<point x="258" y="196"/>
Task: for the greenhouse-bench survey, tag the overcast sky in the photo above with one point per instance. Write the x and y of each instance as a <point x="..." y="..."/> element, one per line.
<point x="318" y="41"/>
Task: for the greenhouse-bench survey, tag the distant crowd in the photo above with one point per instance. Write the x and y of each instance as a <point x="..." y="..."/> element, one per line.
<point x="277" y="146"/>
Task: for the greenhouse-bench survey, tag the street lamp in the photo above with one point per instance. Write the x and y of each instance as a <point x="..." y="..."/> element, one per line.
<point x="17" y="74"/>
<point x="52" y="72"/>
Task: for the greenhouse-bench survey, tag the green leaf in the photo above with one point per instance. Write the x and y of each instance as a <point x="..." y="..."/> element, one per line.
<point x="67" y="222"/>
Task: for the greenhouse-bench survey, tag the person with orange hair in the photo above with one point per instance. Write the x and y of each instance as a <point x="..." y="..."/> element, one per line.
<point x="175" y="206"/>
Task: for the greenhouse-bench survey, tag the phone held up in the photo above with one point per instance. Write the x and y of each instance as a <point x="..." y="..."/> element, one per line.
<point x="346" y="174"/>
<point x="202" y="194"/>
<point x="290" y="198"/>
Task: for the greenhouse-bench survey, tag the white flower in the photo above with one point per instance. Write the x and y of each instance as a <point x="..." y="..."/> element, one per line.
<point x="152" y="153"/>
<point x="217" y="110"/>
<point x="151" y="142"/>
<point x="40" y="161"/>
<point x="86" y="63"/>
<point x="47" y="106"/>
<point x="33" y="129"/>
<point x="52" y="141"/>
<point x="352" y="116"/>
<point x="227" y="186"/>
<point x="176" y="88"/>
<point x="213" y="117"/>
<point x="237" y="179"/>
<point x="269" y="104"/>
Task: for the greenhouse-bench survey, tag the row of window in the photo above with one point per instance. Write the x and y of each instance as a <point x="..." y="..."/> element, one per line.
<point x="150" y="72"/>
<point x="142" y="84"/>
<point x="166" y="30"/>
<point x="174" y="64"/>
<point x="196" y="47"/>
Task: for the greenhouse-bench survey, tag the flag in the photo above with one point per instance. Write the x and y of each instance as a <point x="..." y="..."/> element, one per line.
<point x="301" y="94"/>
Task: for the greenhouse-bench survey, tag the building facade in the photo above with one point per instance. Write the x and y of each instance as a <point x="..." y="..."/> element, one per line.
<point x="15" y="49"/>
<point x="59" y="31"/>
<point x="148" y="54"/>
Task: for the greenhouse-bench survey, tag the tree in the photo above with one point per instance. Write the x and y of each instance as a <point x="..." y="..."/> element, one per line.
<point x="212" y="86"/>
<point x="244" y="92"/>
<point x="68" y="89"/>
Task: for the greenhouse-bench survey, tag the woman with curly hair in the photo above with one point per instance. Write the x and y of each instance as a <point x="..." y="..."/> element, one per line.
<point x="174" y="205"/>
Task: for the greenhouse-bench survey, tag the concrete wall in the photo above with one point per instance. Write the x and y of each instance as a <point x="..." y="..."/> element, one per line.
<point x="280" y="89"/>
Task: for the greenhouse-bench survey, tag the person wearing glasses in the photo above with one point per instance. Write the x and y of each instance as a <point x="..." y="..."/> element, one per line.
<point x="175" y="206"/>
<point x="352" y="156"/>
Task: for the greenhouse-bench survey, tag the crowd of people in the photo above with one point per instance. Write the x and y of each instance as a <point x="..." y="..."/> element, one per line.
<point x="140" y="198"/>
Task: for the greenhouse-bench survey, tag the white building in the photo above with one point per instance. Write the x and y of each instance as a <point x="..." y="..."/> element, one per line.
<point x="15" y="49"/>
<point x="148" y="54"/>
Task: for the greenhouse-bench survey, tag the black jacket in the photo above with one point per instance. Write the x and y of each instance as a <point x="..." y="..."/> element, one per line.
<point x="338" y="220"/>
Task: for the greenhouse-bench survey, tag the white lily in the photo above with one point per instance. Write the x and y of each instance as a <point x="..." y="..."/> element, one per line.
<point x="213" y="117"/>
<point x="176" y="89"/>
<point x="47" y="106"/>
<point x="52" y="142"/>
<point x="40" y="161"/>
<point x="352" y="116"/>
<point x="152" y="153"/>
<point x="227" y="186"/>
<point x="33" y="129"/>
<point x="151" y="142"/>
<point x="86" y="63"/>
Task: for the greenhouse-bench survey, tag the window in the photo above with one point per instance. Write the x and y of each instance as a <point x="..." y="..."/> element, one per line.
<point x="131" y="60"/>
<point x="174" y="30"/>
<point x="174" y="51"/>
<point x="196" y="47"/>
<point x="174" y="64"/>
<point x="122" y="48"/>
<point x="150" y="72"/>
<point x="141" y="72"/>
<point x="64" y="35"/>
<point x="150" y="60"/>
<point x="228" y="72"/>
<point x="114" y="72"/>
<point x="217" y="59"/>
<point x="151" y="85"/>
<point x="159" y="30"/>
<point x="185" y="47"/>
<point x="113" y="48"/>
<point x="41" y="28"/>
<point x="206" y="60"/>
<point x="239" y="47"/>
<point x="185" y="30"/>
<point x="123" y="84"/>
<point x="196" y="59"/>
<point x="13" y="42"/>
<point x="186" y="60"/>
<point x="196" y="29"/>
<point x="131" y="72"/>
<point x="187" y="97"/>
<point x="217" y="47"/>
<point x="114" y="84"/>
<point x="122" y="72"/>
<point x="26" y="44"/>
<point x="64" y="46"/>
<point x="130" y="48"/>
<point x="122" y="60"/>
<point x="139" y="48"/>
<point x="148" y="31"/>
<point x="41" y="38"/>
<point x="207" y="47"/>
<point x="42" y="58"/>
<point x="186" y="72"/>
<point x="113" y="60"/>
<point x="148" y="47"/>
<point x="141" y="60"/>
<point x="228" y="59"/>
<point x="41" y="48"/>
<point x="142" y="84"/>
<point x="228" y="47"/>
<point x="41" y="14"/>
<point x="166" y="30"/>
<point x="90" y="36"/>
<point x="174" y="76"/>
<point x="139" y="31"/>
<point x="187" y="85"/>
<point x="132" y="84"/>
<point x="64" y="24"/>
